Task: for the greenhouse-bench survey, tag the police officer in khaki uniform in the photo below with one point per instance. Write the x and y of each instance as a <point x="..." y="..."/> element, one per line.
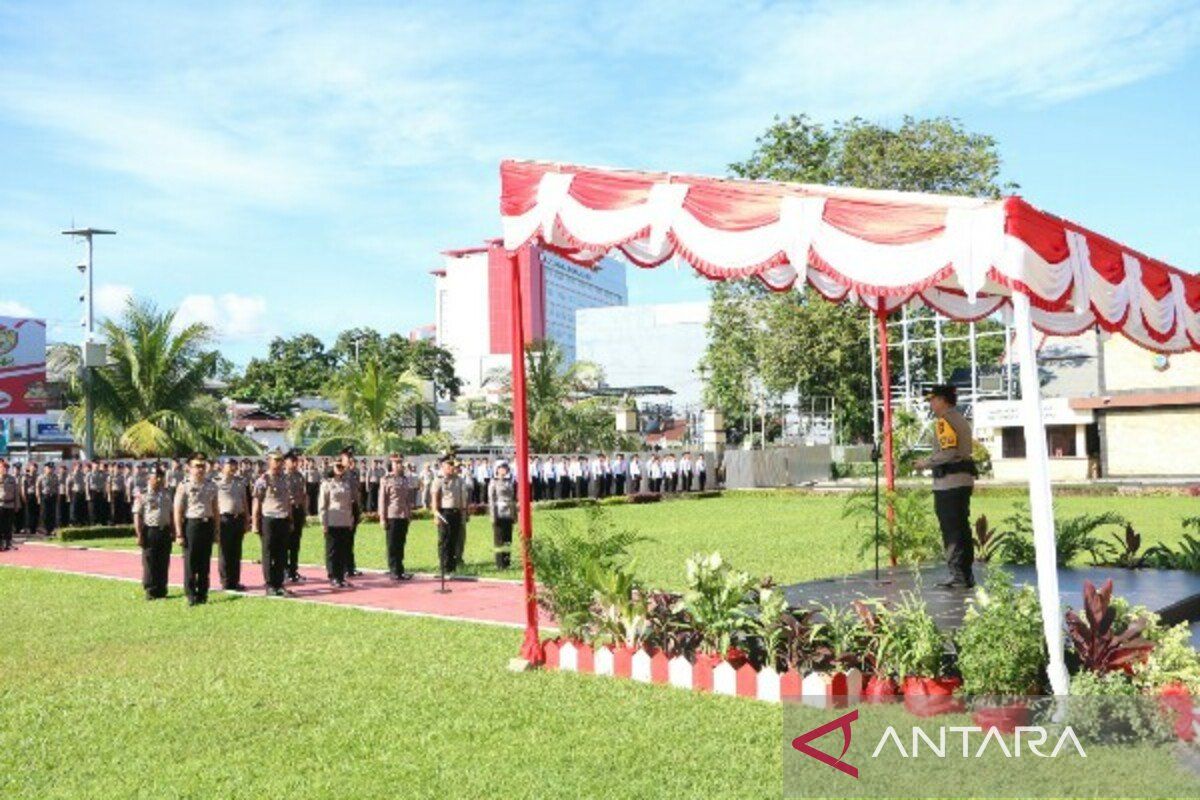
<point x="395" y="510"/>
<point x="272" y="521"/>
<point x="335" y="506"/>
<point x="95" y="486"/>
<point x="47" y="494"/>
<point x="77" y="492"/>
<point x="196" y="519"/>
<point x="152" y="524"/>
<point x="954" y="471"/>
<point x="502" y="505"/>
<point x="291" y="469"/>
<point x="29" y="500"/>
<point x="449" y="500"/>
<point x="10" y="504"/>
<point x="231" y="504"/>
<point x="353" y="477"/>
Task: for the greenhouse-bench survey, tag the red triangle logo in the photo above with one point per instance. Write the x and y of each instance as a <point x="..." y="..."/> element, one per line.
<point x="801" y="743"/>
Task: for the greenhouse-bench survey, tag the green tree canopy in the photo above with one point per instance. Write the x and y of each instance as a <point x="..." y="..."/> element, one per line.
<point x="795" y="341"/>
<point x="295" y="366"/>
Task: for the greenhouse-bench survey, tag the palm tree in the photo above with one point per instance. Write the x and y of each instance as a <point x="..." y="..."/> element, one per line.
<point x="374" y="404"/>
<point x="149" y="399"/>
<point x="562" y="418"/>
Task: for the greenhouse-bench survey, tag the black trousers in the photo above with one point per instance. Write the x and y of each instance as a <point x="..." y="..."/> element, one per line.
<point x="502" y="542"/>
<point x="337" y="550"/>
<point x="619" y="484"/>
<point x="351" y="564"/>
<point x="451" y="533"/>
<point x="97" y="509"/>
<point x="49" y="515"/>
<point x="953" y="507"/>
<point x="120" y="510"/>
<point x="313" y="491"/>
<point x="276" y="531"/>
<point x="78" y="510"/>
<point x="581" y="487"/>
<point x="293" y="551"/>
<point x="700" y="480"/>
<point x="229" y="565"/>
<point x="397" y="537"/>
<point x="198" y="535"/>
<point x="7" y="521"/>
<point x="685" y="481"/>
<point x="32" y="515"/>
<point x="156" y="560"/>
<point x="62" y="508"/>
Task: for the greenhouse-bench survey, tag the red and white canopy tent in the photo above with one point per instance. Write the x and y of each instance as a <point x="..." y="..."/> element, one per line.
<point x="967" y="258"/>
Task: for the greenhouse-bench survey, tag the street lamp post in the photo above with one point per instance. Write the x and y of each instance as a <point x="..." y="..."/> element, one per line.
<point x="89" y="440"/>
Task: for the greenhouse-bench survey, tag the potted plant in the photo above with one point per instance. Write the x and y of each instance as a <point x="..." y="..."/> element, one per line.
<point x="881" y="686"/>
<point x="1002" y="651"/>
<point x="715" y="600"/>
<point x="912" y="648"/>
<point x="619" y="615"/>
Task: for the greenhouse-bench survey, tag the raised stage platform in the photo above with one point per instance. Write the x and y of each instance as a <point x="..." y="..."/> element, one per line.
<point x="1175" y="594"/>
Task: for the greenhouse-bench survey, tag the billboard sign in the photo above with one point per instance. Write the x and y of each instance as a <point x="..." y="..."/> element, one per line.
<point x="22" y="367"/>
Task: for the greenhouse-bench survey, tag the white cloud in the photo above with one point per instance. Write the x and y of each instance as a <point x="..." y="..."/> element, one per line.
<point x="884" y="57"/>
<point x="11" y="308"/>
<point x="233" y="317"/>
<point x="110" y="300"/>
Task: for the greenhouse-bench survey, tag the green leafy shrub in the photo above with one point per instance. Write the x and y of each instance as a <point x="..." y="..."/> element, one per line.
<point x="619" y="607"/>
<point x="669" y="625"/>
<point x="614" y="500"/>
<point x="1173" y="659"/>
<point x="1107" y="708"/>
<point x="915" y="534"/>
<point x="784" y="637"/>
<point x="842" y="632"/>
<point x="1185" y="554"/>
<point x="568" y="554"/>
<point x="85" y="532"/>
<point x="716" y="600"/>
<point x="910" y="643"/>
<point x="1074" y="536"/>
<point x="644" y="497"/>
<point x="1001" y="647"/>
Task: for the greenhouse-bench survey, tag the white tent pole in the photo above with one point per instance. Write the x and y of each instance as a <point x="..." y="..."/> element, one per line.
<point x="1041" y="502"/>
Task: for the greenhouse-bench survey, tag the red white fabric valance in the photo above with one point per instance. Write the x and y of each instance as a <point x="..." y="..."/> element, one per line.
<point x="961" y="256"/>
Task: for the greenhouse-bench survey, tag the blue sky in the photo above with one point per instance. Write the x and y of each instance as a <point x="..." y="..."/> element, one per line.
<point x="277" y="168"/>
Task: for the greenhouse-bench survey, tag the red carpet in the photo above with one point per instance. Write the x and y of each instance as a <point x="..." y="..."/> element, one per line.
<point x="485" y="600"/>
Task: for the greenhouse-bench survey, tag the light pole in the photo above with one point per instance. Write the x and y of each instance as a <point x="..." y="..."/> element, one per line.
<point x="89" y="435"/>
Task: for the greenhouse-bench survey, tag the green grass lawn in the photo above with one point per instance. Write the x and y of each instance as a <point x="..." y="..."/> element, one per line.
<point x="790" y="535"/>
<point x="104" y="695"/>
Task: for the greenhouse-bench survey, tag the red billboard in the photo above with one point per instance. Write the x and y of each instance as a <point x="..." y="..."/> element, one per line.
<point x="22" y="367"/>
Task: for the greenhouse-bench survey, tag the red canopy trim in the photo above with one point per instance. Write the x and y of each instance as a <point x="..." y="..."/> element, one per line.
<point x="964" y="256"/>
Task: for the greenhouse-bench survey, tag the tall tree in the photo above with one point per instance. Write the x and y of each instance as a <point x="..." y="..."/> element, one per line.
<point x="562" y="416"/>
<point x="425" y="359"/>
<point x="786" y="342"/>
<point x="375" y="404"/>
<point x="294" y="367"/>
<point x="149" y="400"/>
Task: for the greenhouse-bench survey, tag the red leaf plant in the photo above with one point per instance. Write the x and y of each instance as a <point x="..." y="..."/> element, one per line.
<point x="1099" y="647"/>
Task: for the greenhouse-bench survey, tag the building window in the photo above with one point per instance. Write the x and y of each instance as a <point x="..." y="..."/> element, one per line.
<point x="1061" y="440"/>
<point x="1012" y="443"/>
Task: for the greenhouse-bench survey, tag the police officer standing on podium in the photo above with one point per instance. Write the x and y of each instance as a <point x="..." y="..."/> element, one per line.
<point x="231" y="503"/>
<point x="196" y="518"/>
<point x="272" y="521"/>
<point x="954" y="472"/>
<point x="152" y="525"/>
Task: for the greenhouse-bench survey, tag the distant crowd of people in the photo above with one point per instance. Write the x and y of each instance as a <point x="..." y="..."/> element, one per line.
<point x="203" y="504"/>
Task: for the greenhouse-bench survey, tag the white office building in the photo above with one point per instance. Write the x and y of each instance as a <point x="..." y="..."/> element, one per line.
<point x="473" y="295"/>
<point x="650" y="345"/>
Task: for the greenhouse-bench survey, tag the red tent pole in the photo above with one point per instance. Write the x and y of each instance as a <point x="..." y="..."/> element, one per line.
<point x="531" y="648"/>
<point x="889" y="462"/>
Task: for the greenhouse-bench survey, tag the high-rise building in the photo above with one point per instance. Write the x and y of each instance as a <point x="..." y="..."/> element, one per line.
<point x="650" y="345"/>
<point x="473" y="292"/>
